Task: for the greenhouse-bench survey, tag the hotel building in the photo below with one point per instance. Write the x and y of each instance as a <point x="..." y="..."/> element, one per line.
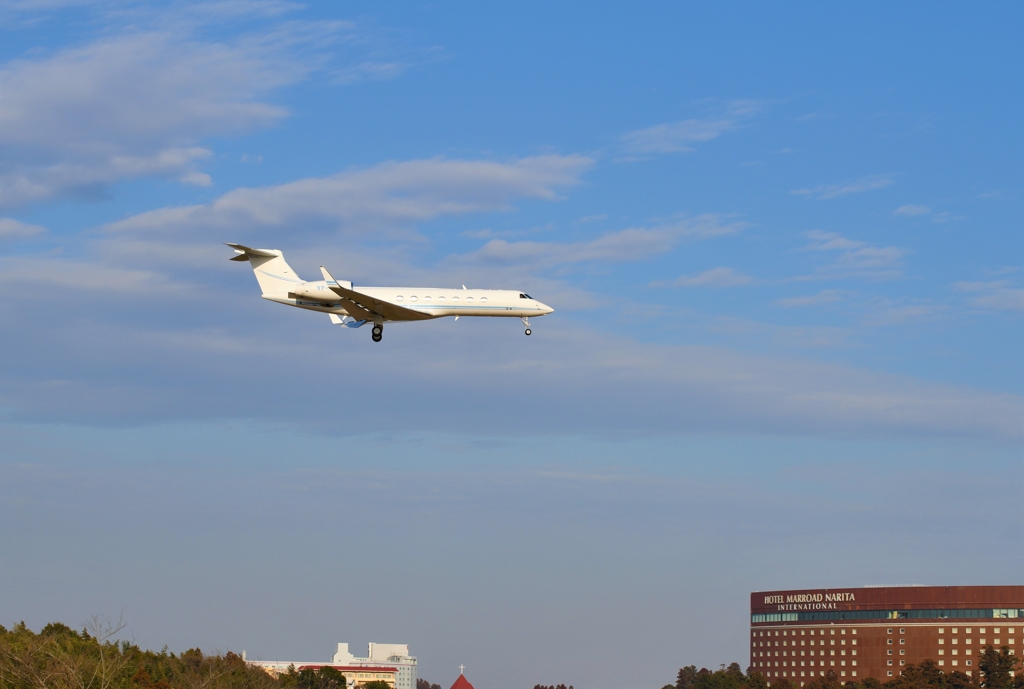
<point x="390" y="663"/>
<point x="874" y="631"/>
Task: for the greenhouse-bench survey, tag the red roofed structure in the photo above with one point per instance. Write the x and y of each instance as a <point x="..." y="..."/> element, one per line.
<point x="462" y="683"/>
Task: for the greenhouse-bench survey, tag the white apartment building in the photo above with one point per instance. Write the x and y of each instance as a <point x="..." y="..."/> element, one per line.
<point x="390" y="663"/>
<point x="386" y="655"/>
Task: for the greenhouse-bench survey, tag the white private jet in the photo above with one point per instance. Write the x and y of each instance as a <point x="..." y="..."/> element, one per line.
<point x="378" y="305"/>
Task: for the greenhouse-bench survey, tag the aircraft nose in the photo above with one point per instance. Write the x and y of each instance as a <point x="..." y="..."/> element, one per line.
<point x="545" y="309"/>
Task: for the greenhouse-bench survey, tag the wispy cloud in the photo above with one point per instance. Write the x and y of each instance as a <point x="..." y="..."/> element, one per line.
<point x="631" y="244"/>
<point x="857" y="186"/>
<point x="679" y="136"/>
<point x="853" y="258"/>
<point x="715" y="277"/>
<point x="140" y="100"/>
<point x="910" y="210"/>
<point x="828" y="296"/>
<point x="392" y="194"/>
<point x="15" y="229"/>
<point x="998" y="295"/>
<point x="121" y="107"/>
<point x="886" y="312"/>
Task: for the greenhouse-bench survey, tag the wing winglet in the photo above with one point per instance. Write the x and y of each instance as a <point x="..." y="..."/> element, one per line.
<point x="331" y="281"/>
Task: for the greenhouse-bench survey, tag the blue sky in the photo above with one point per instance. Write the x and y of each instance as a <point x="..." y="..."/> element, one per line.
<point x="783" y="242"/>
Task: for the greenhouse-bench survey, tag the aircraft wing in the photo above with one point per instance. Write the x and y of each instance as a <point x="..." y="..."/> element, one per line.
<point x="372" y="306"/>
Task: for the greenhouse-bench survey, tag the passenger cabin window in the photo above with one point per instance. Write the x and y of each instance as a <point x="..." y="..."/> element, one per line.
<point x="399" y="298"/>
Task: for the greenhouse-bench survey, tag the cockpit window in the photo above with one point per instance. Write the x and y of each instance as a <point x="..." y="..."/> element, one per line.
<point x="525" y="296"/>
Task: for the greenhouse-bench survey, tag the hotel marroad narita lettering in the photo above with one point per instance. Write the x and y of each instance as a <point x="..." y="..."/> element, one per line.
<point x="810" y="601"/>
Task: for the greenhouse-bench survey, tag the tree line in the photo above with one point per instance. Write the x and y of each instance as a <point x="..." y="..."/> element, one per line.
<point x="58" y="657"/>
<point x="995" y="671"/>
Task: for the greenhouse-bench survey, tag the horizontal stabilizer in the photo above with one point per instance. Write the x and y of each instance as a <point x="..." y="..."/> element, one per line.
<point x="246" y="251"/>
<point x="347" y="322"/>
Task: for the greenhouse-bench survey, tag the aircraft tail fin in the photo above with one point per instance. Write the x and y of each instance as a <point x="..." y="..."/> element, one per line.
<point x="272" y="272"/>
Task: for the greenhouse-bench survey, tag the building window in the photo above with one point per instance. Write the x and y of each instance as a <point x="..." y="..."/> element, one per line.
<point x="903" y="631"/>
<point x="889" y="631"/>
<point x="889" y="641"/>
<point x="941" y="663"/>
<point x="889" y="652"/>
<point x="889" y="673"/>
<point x="942" y="630"/>
<point x="967" y="663"/>
<point x="903" y="641"/>
<point x="888" y="662"/>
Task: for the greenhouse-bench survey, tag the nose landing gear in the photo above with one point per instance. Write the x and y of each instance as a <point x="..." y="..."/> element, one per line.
<point x="526" y="322"/>
<point x="377" y="333"/>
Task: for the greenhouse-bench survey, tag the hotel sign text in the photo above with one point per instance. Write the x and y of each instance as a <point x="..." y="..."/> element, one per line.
<point x="810" y="601"/>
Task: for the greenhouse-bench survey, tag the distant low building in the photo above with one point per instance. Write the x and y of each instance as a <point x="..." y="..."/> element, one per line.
<point x="389" y="663"/>
<point x="355" y="676"/>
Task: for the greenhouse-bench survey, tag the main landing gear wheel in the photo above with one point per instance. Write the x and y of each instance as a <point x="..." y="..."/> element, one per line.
<point x="528" y="331"/>
<point x="377" y="333"/>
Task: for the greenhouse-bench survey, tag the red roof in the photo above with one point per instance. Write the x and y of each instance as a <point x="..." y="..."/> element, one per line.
<point x="462" y="683"/>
